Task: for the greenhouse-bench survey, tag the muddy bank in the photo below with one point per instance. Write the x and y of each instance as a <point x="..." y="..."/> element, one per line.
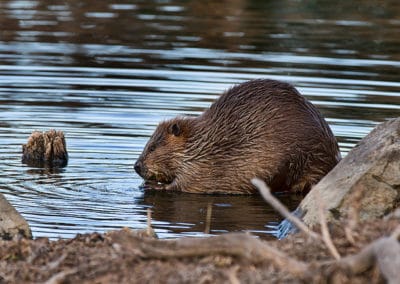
<point x="126" y="256"/>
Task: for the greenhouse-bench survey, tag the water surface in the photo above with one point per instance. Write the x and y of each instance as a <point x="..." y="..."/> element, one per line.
<point x="106" y="72"/>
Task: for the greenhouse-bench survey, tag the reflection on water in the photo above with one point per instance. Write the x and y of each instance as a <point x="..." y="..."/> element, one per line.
<point x="186" y="213"/>
<point x="106" y="72"/>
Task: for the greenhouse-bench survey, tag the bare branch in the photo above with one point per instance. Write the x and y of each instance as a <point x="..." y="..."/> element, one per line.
<point x="60" y="276"/>
<point x="208" y="218"/>
<point x="149" y="229"/>
<point x="277" y="205"/>
<point x="326" y="237"/>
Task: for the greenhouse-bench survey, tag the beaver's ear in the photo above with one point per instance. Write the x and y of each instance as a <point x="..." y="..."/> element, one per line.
<point x="175" y="129"/>
<point x="180" y="128"/>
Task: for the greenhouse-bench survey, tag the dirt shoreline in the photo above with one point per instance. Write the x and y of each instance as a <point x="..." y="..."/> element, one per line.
<point x="127" y="256"/>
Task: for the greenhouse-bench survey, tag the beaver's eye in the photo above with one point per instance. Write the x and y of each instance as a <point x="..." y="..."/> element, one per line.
<point x="152" y="148"/>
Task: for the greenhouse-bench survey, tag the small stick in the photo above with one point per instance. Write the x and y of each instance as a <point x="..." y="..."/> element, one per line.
<point x="149" y="229"/>
<point x="326" y="237"/>
<point x="60" y="276"/>
<point x="208" y="219"/>
<point x="349" y="235"/>
<point x="353" y="216"/>
<point x="233" y="279"/>
<point x="277" y="205"/>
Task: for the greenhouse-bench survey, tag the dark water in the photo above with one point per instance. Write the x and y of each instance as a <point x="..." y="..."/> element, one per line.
<point x="106" y="72"/>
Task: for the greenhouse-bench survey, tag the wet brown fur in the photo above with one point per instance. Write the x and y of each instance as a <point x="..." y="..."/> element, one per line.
<point x="261" y="128"/>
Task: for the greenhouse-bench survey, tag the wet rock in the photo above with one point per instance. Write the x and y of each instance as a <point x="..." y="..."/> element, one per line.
<point x="12" y="224"/>
<point x="368" y="178"/>
<point x="45" y="149"/>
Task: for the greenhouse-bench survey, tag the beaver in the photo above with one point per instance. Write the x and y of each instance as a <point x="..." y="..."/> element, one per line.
<point x="260" y="128"/>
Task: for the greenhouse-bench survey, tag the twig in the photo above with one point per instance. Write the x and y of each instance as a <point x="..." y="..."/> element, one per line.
<point x="60" y="277"/>
<point x="326" y="237"/>
<point x="349" y="235"/>
<point x="208" y="218"/>
<point x="149" y="230"/>
<point x="353" y="215"/>
<point x="54" y="264"/>
<point x="277" y="205"/>
<point x="232" y="275"/>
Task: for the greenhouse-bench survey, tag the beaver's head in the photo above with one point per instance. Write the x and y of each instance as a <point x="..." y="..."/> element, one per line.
<point x="164" y="152"/>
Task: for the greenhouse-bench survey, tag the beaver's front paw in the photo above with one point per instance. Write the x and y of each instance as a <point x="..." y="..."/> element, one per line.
<point x="153" y="185"/>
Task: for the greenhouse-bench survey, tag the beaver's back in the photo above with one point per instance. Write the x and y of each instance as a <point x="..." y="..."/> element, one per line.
<point x="261" y="128"/>
<point x="260" y="104"/>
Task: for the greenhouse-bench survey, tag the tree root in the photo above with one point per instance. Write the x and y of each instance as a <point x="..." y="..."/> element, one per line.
<point x="239" y="245"/>
<point x="385" y="252"/>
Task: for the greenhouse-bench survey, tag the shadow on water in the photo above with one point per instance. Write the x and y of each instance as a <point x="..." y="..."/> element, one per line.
<point x="106" y="72"/>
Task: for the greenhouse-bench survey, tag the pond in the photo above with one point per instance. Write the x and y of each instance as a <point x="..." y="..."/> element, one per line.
<point x="106" y="72"/>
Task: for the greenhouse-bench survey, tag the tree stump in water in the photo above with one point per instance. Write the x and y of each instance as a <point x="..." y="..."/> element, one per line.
<point x="45" y="149"/>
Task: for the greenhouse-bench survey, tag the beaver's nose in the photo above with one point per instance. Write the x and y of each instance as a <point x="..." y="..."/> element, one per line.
<point x="138" y="167"/>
